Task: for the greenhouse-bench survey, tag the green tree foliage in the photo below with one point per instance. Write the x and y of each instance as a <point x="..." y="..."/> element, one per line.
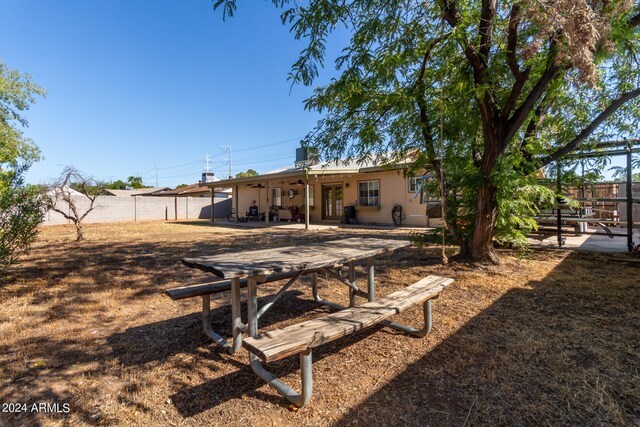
<point x="21" y="211"/>
<point x="248" y="173"/>
<point x="132" y="181"/>
<point x="135" y="182"/>
<point x="21" y="208"/>
<point x="480" y="93"/>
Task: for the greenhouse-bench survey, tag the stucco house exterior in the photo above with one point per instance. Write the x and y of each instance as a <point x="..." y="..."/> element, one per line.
<point x="373" y="191"/>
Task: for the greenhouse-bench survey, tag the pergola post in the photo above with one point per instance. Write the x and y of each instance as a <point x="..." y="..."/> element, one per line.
<point x="306" y="204"/>
<point x="629" y="201"/>
<point x="268" y="209"/>
<point x="558" y="205"/>
<point x="213" y="205"/>
<point x="235" y="201"/>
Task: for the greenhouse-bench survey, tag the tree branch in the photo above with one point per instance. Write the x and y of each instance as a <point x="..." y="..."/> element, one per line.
<point x="634" y="21"/>
<point x="487" y="17"/>
<point x="512" y="41"/>
<point x="515" y="93"/>
<point x="612" y="108"/>
<point x="532" y="128"/>
<point x="70" y="218"/>
<point x="432" y="44"/>
<point x="449" y="12"/>
<point x="520" y="115"/>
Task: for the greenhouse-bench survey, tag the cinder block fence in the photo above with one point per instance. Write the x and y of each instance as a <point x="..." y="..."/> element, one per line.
<point x="142" y="208"/>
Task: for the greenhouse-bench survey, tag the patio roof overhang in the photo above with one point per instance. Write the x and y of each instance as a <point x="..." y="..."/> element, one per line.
<point x="297" y="173"/>
<point x="300" y="173"/>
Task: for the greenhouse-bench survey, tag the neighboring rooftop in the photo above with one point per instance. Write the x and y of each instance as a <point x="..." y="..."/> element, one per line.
<point x="138" y="192"/>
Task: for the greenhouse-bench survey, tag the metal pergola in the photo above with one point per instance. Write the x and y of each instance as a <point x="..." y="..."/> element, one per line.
<point x="625" y="148"/>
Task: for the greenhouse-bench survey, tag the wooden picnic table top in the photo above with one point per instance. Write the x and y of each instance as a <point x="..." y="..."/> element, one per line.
<point x="293" y="258"/>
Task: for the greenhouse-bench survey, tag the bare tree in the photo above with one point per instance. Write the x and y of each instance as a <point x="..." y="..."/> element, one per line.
<point x="67" y="188"/>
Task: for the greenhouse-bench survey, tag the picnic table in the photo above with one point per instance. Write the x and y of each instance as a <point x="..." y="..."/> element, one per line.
<point x="250" y="269"/>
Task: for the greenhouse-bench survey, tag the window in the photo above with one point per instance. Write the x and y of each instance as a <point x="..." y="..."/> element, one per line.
<point x="415" y="184"/>
<point x="310" y="196"/>
<point x="369" y="193"/>
<point x="276" y="196"/>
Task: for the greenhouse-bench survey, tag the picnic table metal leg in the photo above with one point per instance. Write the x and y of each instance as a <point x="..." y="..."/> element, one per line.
<point x="371" y="284"/>
<point x="236" y="321"/>
<point x="351" y="284"/>
<point x="236" y="316"/>
<point x="252" y="306"/>
<point x="352" y="279"/>
<point x="426" y="309"/>
<point x="298" y="399"/>
<point x="316" y="296"/>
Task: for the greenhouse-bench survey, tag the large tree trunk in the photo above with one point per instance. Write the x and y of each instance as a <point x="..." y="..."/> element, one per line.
<point x="480" y="246"/>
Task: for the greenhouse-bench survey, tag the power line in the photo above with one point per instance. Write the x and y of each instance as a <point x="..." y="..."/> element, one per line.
<point x="179" y="175"/>
<point x="263" y="161"/>
<point x="269" y="145"/>
<point x="228" y="150"/>
<point x="179" y="166"/>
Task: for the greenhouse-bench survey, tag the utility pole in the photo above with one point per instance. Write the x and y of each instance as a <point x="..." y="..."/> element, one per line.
<point x="227" y="148"/>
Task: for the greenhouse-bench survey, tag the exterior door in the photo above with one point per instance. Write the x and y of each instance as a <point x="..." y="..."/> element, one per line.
<point x="332" y="201"/>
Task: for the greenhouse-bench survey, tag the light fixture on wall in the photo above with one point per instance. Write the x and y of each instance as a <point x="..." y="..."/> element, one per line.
<point x="347" y="185"/>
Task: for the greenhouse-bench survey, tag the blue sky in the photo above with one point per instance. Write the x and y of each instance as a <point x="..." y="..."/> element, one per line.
<point x="133" y="85"/>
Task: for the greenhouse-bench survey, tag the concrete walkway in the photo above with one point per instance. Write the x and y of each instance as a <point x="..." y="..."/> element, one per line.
<point x="585" y="242"/>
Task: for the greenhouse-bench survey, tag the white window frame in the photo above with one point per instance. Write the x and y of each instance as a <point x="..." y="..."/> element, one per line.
<point x="413" y="184"/>
<point x="311" y="191"/>
<point x="370" y="200"/>
<point x="276" y="196"/>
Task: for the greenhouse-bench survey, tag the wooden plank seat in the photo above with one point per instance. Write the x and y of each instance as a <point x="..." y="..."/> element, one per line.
<point x="301" y="338"/>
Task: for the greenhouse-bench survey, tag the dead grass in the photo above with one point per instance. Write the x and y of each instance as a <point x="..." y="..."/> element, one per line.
<point x="549" y="339"/>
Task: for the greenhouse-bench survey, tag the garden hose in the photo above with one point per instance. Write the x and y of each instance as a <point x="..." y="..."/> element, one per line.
<point x="396" y="214"/>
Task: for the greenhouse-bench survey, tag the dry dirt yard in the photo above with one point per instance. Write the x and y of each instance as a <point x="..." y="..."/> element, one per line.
<point x="549" y="338"/>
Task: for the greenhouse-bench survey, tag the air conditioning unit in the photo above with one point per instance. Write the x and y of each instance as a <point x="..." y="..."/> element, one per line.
<point x="306" y="156"/>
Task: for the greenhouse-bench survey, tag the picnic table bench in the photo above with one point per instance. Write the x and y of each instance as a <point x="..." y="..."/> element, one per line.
<point x="251" y="268"/>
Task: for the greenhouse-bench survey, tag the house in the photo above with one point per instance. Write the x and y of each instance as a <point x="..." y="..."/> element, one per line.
<point x="335" y="190"/>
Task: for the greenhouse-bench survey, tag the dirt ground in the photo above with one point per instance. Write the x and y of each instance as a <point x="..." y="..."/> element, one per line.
<point x="547" y="338"/>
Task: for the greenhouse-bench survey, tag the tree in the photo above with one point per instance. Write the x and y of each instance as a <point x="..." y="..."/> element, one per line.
<point x="132" y="181"/>
<point x="482" y="93"/>
<point x="247" y="174"/>
<point x="66" y="194"/>
<point x="135" y="182"/>
<point x="21" y="207"/>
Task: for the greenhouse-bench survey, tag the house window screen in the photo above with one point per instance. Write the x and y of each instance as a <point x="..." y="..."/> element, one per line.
<point x="415" y="184"/>
<point x="276" y="196"/>
<point x="369" y="193"/>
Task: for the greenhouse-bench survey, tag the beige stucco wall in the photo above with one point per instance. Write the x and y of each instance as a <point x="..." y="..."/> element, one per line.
<point x="394" y="188"/>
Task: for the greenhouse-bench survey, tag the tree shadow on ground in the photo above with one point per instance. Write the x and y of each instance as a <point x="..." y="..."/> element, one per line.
<point x="550" y="352"/>
<point x="183" y="334"/>
<point x="86" y="288"/>
<point x="193" y="400"/>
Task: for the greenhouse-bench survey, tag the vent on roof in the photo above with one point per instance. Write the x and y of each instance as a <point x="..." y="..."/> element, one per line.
<point x="306" y="156"/>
